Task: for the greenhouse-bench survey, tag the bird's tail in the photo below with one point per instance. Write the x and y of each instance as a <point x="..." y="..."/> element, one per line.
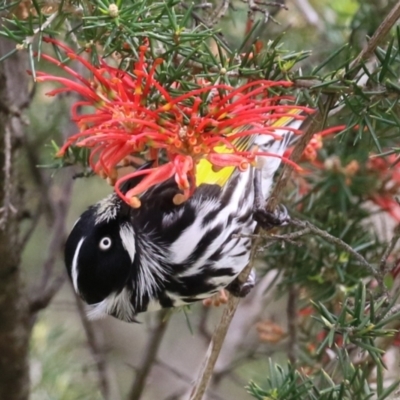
<point x="270" y="164"/>
<point x="266" y="144"/>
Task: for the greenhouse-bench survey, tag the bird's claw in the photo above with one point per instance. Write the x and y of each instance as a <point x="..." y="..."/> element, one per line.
<point x="268" y="220"/>
<point x="239" y="289"/>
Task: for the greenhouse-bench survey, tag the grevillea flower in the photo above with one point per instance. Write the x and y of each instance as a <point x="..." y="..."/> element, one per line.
<point x="315" y="144"/>
<point x="135" y="114"/>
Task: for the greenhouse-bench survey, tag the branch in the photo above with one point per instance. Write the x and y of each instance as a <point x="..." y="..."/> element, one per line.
<point x="287" y="237"/>
<point x="34" y="220"/>
<point x="219" y="12"/>
<point x="307" y="227"/>
<point x="338" y="242"/>
<point x="29" y="39"/>
<point x="199" y="19"/>
<point x="183" y="377"/>
<point x="42" y="293"/>
<point x="257" y="6"/>
<point x="96" y="349"/>
<point x="150" y="356"/>
<point x="291" y="311"/>
<point x="43" y="299"/>
<point x="219" y="334"/>
<point x="377" y="37"/>
<point x="383" y="264"/>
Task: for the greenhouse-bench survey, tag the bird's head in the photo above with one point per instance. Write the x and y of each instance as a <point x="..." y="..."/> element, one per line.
<point x="101" y="248"/>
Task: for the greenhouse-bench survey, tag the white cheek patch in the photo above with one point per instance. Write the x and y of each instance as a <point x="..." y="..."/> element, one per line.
<point x="128" y="240"/>
<point x="74" y="267"/>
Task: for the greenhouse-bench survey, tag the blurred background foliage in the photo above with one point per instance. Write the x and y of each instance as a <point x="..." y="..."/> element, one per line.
<point x="334" y="347"/>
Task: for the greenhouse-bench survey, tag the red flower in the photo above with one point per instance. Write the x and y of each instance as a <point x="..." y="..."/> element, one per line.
<point x="316" y="144"/>
<point x="134" y="113"/>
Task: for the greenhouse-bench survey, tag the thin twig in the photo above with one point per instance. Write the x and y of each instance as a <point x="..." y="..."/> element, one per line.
<point x="199" y="19"/>
<point x="149" y="357"/>
<point x="338" y="242"/>
<point x="307" y="228"/>
<point x="182" y="376"/>
<point x="253" y="7"/>
<point x="257" y="6"/>
<point x="286" y="237"/>
<point x="214" y="349"/>
<point x="71" y="33"/>
<point x="43" y="298"/>
<point x="219" y="12"/>
<point x="219" y="334"/>
<point x="95" y="348"/>
<point x="29" y="39"/>
<point x="35" y="218"/>
<point x="291" y="312"/>
<point x="203" y="5"/>
<point x="42" y="293"/>
<point x="383" y="264"/>
<point x="378" y="36"/>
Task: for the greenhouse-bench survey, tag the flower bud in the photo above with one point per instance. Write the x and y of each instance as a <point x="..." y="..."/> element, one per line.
<point x="113" y="10"/>
<point x="134" y="202"/>
<point x="179" y="199"/>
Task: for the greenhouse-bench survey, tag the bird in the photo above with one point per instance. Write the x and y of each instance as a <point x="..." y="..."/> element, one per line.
<point x="123" y="261"/>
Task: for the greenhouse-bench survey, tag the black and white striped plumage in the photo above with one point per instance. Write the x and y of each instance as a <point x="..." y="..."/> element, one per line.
<point x="123" y="261"/>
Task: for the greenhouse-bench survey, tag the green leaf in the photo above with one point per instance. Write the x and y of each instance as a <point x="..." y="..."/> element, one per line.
<point x="329" y="59"/>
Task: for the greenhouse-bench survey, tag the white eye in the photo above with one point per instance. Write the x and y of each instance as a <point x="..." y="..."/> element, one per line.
<point x="105" y="243"/>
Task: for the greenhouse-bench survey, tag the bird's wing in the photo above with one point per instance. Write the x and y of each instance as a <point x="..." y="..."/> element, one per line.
<point x="204" y="170"/>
